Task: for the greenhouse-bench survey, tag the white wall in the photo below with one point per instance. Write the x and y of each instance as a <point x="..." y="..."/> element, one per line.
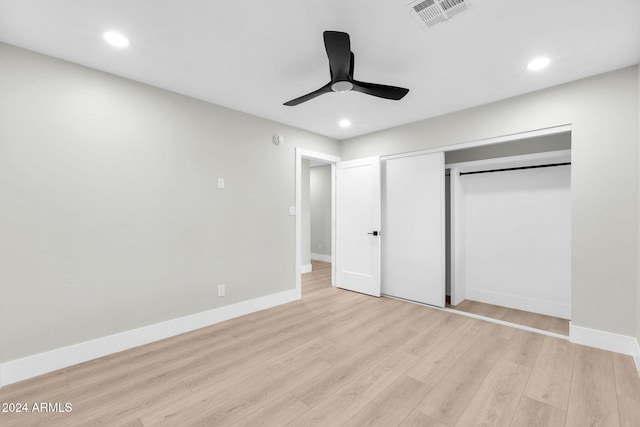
<point x="321" y="210"/>
<point x="110" y="217"/>
<point x="603" y="113"/>
<point x="517" y="239"/>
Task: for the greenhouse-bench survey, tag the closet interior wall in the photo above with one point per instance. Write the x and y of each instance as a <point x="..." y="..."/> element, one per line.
<point x="511" y="228"/>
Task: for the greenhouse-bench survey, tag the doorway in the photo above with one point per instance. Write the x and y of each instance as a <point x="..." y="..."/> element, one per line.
<point x="320" y="216"/>
<point x="303" y="250"/>
<point x="315" y="213"/>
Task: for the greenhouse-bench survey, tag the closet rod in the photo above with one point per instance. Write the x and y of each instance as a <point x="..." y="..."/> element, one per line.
<point x="515" y="169"/>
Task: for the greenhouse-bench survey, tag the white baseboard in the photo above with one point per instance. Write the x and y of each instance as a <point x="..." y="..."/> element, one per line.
<point x="548" y="308"/>
<point x="321" y="257"/>
<point x="306" y="268"/>
<point x="42" y="363"/>
<point x="606" y="340"/>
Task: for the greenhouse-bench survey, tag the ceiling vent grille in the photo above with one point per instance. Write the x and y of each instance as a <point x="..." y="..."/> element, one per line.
<point x="430" y="12"/>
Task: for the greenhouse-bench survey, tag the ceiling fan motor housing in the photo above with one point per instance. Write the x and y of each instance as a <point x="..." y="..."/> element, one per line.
<point x="342" y="86"/>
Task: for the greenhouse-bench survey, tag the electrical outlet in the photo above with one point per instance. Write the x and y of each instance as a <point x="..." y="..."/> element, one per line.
<point x="221" y="290"/>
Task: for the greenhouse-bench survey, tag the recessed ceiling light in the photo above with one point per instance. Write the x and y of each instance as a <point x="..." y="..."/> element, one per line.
<point x="538" y="63"/>
<point x="344" y="123"/>
<point x="115" y="39"/>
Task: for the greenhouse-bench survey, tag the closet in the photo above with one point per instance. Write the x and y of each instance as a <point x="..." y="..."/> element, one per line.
<point x="497" y="230"/>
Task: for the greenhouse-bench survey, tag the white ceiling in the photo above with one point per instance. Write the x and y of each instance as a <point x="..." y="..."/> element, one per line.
<point x="253" y="55"/>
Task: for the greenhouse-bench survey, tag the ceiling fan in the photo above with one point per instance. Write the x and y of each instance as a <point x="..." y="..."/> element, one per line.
<point x="338" y="47"/>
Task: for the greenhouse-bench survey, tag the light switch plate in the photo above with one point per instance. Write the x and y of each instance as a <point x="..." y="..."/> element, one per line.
<point x="292" y="211"/>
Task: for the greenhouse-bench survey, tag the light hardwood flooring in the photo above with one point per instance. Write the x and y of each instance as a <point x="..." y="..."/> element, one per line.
<point x="340" y="358"/>
<point x="525" y="318"/>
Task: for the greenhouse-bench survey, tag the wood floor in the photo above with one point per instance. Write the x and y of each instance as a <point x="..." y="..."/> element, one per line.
<point x="525" y="318"/>
<point x="340" y="358"/>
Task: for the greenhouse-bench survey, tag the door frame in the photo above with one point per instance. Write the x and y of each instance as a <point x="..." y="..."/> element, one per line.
<point x="332" y="160"/>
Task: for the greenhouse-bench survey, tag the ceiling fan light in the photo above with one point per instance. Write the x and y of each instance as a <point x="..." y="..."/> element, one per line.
<point x="342" y="86"/>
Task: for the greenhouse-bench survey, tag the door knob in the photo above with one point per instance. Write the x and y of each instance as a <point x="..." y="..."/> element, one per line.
<point x="375" y="233"/>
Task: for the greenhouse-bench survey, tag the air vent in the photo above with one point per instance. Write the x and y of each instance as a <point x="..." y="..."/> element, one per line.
<point x="430" y="12"/>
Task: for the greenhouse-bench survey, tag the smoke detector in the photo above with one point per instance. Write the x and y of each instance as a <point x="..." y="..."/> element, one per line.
<point x="430" y="12"/>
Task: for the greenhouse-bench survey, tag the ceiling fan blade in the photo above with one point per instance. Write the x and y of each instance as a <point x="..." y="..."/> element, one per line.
<point x="338" y="48"/>
<point x="351" y="66"/>
<point x="324" y="89"/>
<point x="381" y="91"/>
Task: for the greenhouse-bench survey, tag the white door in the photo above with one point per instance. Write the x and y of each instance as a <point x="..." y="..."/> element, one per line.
<point x="358" y="226"/>
<point x="413" y="251"/>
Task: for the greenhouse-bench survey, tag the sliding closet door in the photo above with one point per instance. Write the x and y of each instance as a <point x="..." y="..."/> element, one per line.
<point x="413" y="246"/>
